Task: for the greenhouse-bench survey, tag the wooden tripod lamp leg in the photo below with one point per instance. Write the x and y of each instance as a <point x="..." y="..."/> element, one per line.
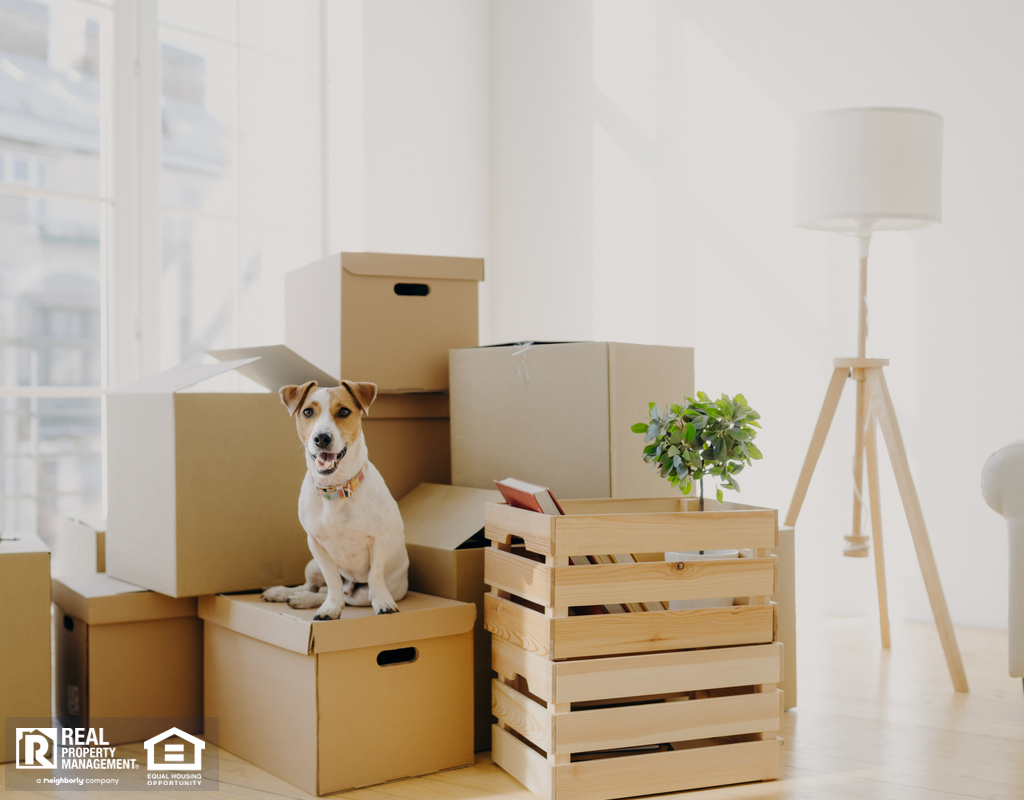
<point x="828" y="412"/>
<point x="871" y="453"/>
<point x="856" y="541"/>
<point x="886" y="414"/>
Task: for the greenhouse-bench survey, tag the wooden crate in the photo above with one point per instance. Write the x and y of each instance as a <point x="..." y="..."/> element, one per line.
<point x="602" y="706"/>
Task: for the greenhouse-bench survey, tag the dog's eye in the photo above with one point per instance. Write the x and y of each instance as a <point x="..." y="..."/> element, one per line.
<point x="307" y="412"/>
<point x="344" y="412"/>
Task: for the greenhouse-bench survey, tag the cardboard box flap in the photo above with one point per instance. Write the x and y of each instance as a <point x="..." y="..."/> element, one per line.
<point x="420" y="616"/>
<point x="21" y="543"/>
<point x="395" y="265"/>
<point x="98" y="599"/>
<point x="275" y="366"/>
<point x="93" y="523"/>
<point x="180" y="377"/>
<point x="444" y="516"/>
<point x="274" y="623"/>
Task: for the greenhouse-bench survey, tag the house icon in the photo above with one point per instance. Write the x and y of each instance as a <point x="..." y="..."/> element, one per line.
<point x="173" y="753"/>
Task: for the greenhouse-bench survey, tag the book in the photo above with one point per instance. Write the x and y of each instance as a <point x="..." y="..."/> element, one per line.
<point x="531" y="496"/>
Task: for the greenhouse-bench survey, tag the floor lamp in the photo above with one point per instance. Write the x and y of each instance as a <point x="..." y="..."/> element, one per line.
<point x="858" y="171"/>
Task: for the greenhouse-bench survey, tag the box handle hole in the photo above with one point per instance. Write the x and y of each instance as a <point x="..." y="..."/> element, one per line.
<point x="69" y="623"/>
<point x="401" y="655"/>
<point x="412" y="289"/>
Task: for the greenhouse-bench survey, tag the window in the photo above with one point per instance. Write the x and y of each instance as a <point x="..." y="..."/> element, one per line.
<point x="95" y="292"/>
<point x="54" y="214"/>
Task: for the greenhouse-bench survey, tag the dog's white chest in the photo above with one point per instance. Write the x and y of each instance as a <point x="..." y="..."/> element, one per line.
<point x="347" y="527"/>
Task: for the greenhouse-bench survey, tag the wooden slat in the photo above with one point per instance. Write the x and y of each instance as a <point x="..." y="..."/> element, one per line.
<point x="646" y="632"/>
<point x="682" y="720"/>
<point x="630" y="583"/>
<point x="522" y="714"/>
<point x="624" y="505"/>
<point x="661" y="673"/>
<point x="502" y="522"/>
<point x="525" y="765"/>
<point x="510" y="661"/>
<point x="519" y="625"/>
<point x="652" y="533"/>
<point x="520" y="576"/>
<point x="675" y="771"/>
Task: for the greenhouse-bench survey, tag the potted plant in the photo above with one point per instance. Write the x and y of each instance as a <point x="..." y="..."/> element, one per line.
<point x="701" y="437"/>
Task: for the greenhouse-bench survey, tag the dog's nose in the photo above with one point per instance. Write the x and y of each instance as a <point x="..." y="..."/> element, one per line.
<point x="322" y="440"/>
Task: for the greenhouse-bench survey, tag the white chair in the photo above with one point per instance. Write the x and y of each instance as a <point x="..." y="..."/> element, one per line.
<point x="1002" y="483"/>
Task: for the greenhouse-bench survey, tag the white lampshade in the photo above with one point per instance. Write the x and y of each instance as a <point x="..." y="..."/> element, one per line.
<point x="868" y="169"/>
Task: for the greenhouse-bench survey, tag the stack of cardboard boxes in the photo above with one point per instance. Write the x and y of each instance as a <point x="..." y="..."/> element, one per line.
<point x="203" y="485"/>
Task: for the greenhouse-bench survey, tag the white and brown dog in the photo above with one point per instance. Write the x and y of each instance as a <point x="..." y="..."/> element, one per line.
<point x="352" y="522"/>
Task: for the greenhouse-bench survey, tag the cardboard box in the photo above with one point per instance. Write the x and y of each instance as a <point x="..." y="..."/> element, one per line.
<point x="389" y="319"/>
<point x="126" y="656"/>
<point x="444" y="528"/>
<point x="560" y="414"/>
<point x="203" y="486"/>
<point x="340" y="704"/>
<point x="81" y="545"/>
<point x="407" y="434"/>
<point x="24" y="632"/>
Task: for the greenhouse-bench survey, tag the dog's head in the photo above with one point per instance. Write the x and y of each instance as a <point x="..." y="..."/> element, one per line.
<point x="330" y="424"/>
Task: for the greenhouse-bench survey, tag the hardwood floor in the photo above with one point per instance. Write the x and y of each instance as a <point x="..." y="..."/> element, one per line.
<point x="870" y="724"/>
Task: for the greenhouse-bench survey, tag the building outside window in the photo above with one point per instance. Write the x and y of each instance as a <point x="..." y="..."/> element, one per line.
<point x="239" y="89"/>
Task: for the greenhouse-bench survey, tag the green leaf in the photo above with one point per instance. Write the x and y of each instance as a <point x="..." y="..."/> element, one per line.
<point x="640" y="427"/>
<point x="689" y="433"/>
<point x="677" y="409"/>
<point x="718" y="494"/>
<point x="754" y="452"/>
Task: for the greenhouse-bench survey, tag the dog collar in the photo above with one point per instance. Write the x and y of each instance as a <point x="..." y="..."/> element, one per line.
<point x="345" y="490"/>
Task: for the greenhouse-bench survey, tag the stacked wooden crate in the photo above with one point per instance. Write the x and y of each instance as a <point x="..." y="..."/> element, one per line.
<point x="594" y="706"/>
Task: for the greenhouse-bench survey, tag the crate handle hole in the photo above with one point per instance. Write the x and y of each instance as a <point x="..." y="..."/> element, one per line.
<point x="412" y="289"/>
<point x="401" y="655"/>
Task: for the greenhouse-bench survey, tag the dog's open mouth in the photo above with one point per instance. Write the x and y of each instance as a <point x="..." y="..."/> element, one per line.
<point x="326" y="462"/>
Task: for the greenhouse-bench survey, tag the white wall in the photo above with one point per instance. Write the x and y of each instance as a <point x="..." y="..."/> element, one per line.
<point x="410" y="161"/>
<point x="641" y="167"/>
<point x="626" y="168"/>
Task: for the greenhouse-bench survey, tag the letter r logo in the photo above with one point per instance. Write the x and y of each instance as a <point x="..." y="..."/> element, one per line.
<point x="33" y="744"/>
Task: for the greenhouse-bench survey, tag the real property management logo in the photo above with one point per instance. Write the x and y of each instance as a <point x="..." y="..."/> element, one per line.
<point x="66" y="748"/>
<point x="36" y="748"/>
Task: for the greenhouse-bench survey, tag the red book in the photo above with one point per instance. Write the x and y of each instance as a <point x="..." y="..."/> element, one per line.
<point x="530" y="496"/>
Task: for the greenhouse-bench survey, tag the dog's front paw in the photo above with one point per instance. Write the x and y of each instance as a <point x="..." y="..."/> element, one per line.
<point x="384" y="606"/>
<point x="329" y="610"/>
<point x="278" y="594"/>
<point x="306" y="600"/>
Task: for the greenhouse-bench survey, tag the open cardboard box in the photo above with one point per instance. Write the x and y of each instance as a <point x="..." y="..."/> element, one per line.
<point x="384" y="317"/>
<point x="340" y="704"/>
<point x="204" y="485"/>
<point x="24" y="634"/>
<point x="127" y="657"/>
<point x="560" y="414"/>
<point x="444" y="527"/>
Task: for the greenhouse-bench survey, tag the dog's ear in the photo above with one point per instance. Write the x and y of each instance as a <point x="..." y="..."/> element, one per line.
<point x="362" y="393"/>
<point x="294" y="396"/>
